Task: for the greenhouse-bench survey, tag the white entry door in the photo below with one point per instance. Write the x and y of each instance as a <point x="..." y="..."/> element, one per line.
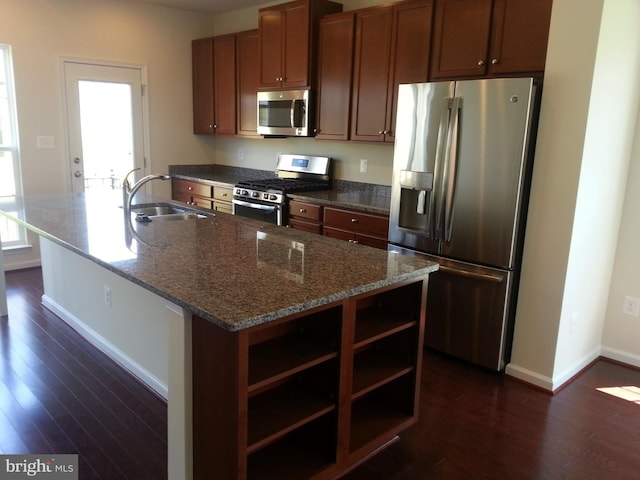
<point x="105" y="122"/>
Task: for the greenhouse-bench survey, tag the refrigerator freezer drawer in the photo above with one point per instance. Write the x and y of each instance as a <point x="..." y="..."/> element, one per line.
<point x="467" y="314"/>
<point x="468" y="311"/>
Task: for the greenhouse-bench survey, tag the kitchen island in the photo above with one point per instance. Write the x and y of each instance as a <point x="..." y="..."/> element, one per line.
<point x="291" y="355"/>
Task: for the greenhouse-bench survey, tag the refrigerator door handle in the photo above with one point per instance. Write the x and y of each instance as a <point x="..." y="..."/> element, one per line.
<point x="472" y="275"/>
<point x="452" y="166"/>
<point x="447" y="177"/>
<point x="436" y="199"/>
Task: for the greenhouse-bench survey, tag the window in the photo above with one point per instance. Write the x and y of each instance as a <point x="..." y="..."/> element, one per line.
<point x="10" y="185"/>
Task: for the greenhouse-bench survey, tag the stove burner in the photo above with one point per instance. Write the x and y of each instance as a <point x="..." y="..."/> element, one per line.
<point x="284" y="185"/>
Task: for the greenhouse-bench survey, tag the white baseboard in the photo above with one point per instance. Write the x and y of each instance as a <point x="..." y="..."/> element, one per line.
<point x="20" y="265"/>
<point x="107" y="348"/>
<point x="621" y="356"/>
<point x="548" y="383"/>
<point x="529" y="376"/>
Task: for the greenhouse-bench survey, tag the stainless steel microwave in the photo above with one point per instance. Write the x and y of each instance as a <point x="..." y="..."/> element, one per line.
<point x="284" y="113"/>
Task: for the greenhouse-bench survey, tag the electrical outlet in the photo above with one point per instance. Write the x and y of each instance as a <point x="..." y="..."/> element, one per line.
<point x="107" y="295"/>
<point x="364" y="165"/>
<point x="631" y="306"/>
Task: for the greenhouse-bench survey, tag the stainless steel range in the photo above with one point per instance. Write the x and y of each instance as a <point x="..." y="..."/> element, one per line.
<point x="266" y="198"/>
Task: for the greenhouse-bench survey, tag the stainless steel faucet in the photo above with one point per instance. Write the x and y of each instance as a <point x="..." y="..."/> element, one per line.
<point x="126" y="187"/>
<point x="130" y="191"/>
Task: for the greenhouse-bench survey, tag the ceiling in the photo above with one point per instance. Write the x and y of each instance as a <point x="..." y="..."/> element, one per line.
<point x="208" y="6"/>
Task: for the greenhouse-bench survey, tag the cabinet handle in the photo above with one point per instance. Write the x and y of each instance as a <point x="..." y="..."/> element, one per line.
<point x="224" y="194"/>
<point x="302" y="210"/>
<point x="215" y="126"/>
<point x="381" y="132"/>
<point x="354" y="220"/>
<point x="190" y="188"/>
<point x="494" y="61"/>
<point x="480" y="63"/>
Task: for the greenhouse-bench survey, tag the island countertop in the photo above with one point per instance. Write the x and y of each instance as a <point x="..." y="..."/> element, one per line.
<point x="232" y="271"/>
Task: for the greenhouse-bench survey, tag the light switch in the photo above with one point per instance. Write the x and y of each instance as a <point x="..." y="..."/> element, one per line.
<point x="44" y="141"/>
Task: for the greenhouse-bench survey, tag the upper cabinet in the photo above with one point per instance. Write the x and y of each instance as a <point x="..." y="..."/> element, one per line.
<point x="392" y="46"/>
<point x="214" y="85"/>
<point x="474" y="38"/>
<point x="335" y="70"/>
<point x="202" y="68"/>
<point x="225" y="82"/>
<point x="248" y="81"/>
<point x="288" y="34"/>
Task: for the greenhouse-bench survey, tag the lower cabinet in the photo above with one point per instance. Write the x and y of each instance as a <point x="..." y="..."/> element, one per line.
<point x="305" y="216"/>
<point x="345" y="224"/>
<point x="310" y="395"/>
<point x="356" y="227"/>
<point x="200" y="194"/>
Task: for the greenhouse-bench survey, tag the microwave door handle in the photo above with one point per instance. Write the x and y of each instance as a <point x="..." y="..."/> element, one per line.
<point x="451" y="168"/>
<point x="293" y="113"/>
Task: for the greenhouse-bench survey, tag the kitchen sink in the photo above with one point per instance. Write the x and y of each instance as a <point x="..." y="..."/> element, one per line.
<point x="163" y="211"/>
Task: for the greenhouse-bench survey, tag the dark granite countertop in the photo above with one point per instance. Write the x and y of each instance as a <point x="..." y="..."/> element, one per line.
<point x="233" y="271"/>
<point x="362" y="196"/>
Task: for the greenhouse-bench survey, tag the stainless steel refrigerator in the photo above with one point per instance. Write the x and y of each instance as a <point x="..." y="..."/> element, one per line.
<point x="461" y="175"/>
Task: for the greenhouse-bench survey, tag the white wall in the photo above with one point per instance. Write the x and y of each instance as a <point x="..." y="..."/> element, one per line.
<point x="133" y="330"/>
<point x="621" y="333"/>
<point x="580" y="171"/>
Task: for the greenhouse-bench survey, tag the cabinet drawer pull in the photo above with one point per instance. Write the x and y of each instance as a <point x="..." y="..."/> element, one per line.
<point x="190" y="188"/>
<point x="224" y="194"/>
<point x="480" y="63"/>
<point x="494" y="61"/>
<point x="354" y="220"/>
<point x="302" y="210"/>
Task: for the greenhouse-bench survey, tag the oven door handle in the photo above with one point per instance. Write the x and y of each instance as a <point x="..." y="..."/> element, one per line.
<point x="258" y="206"/>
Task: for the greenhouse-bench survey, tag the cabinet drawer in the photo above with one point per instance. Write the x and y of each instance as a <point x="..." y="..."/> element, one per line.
<point x="369" y="240"/>
<point x="357" y="221"/>
<point x="306" y="226"/>
<point x="305" y="210"/>
<point x="202" y="202"/>
<point x="223" y="194"/>
<point x="193" y="188"/>
<point x="222" y="207"/>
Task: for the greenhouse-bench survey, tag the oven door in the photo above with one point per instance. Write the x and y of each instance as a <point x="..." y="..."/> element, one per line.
<point x="266" y="212"/>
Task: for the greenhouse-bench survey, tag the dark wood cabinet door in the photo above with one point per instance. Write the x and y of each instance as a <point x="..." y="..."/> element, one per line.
<point x="519" y="36"/>
<point x="224" y="84"/>
<point x="460" y="38"/>
<point x="202" y="68"/>
<point x="295" y="56"/>
<point x="270" y="28"/>
<point x="248" y="81"/>
<point x="371" y="74"/>
<point x="335" y="69"/>
<point x="411" y="45"/>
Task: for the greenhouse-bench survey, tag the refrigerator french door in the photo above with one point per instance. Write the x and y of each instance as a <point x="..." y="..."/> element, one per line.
<point x="461" y="170"/>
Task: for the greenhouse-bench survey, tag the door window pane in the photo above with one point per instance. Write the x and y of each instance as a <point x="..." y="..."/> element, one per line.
<point x="10" y="186"/>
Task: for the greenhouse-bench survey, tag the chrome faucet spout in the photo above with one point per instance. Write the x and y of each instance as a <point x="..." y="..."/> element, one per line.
<point x="138" y="185"/>
<point x="126" y="186"/>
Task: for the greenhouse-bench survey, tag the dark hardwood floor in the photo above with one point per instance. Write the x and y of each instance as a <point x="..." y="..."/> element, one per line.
<point x="59" y="395"/>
